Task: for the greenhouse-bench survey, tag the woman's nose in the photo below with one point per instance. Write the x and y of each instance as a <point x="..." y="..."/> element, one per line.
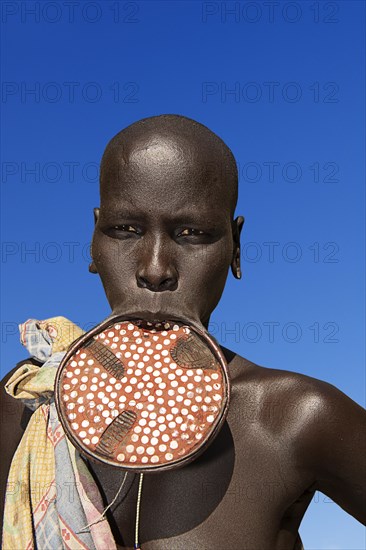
<point x="156" y="271"/>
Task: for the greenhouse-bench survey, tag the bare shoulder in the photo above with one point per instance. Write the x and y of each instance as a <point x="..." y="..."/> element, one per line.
<point x="291" y="400"/>
<point x="14" y="418"/>
<point x="320" y="426"/>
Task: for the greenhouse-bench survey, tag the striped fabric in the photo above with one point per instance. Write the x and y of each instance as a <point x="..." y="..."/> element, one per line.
<point x="51" y="495"/>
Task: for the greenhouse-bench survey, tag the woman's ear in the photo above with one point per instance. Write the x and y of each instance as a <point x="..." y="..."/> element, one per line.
<point x="92" y="267"/>
<point x="235" y="262"/>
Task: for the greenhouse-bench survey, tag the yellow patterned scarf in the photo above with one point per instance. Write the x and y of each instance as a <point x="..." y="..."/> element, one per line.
<point x="51" y="495"/>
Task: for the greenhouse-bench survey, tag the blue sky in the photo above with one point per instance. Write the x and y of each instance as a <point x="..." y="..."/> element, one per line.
<point x="283" y="85"/>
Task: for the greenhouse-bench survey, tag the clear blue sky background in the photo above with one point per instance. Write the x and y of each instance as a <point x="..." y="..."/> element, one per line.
<point x="295" y="122"/>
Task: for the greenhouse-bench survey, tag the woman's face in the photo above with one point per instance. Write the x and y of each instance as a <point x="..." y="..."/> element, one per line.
<point x="163" y="240"/>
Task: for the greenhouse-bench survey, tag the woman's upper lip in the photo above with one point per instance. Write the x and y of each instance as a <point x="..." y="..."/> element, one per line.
<point x="146" y="314"/>
<point x="156" y="316"/>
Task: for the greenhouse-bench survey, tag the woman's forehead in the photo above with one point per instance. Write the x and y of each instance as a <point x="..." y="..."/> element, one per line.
<point x="169" y="179"/>
<point x="168" y="173"/>
<point x="178" y="198"/>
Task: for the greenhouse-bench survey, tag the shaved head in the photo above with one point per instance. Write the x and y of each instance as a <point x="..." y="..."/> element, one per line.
<point x="172" y="141"/>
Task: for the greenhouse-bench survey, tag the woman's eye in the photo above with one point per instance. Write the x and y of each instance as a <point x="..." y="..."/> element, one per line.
<point x="190" y="231"/>
<point x="123" y="231"/>
<point x="125" y="227"/>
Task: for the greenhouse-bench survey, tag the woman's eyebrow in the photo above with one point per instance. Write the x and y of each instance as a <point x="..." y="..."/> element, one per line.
<point x="198" y="217"/>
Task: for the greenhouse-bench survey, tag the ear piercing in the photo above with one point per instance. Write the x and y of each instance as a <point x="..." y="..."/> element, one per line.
<point x="92" y="268"/>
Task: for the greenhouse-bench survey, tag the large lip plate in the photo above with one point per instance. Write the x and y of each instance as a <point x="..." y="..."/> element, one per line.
<point x="108" y="322"/>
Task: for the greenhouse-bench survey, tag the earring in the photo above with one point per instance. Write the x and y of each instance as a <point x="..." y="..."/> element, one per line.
<point x="237" y="264"/>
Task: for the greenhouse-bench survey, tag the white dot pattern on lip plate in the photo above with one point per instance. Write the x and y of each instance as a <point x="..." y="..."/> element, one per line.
<point x="190" y="398"/>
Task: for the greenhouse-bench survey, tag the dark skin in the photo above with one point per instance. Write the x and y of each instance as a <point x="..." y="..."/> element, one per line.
<point x="164" y="242"/>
